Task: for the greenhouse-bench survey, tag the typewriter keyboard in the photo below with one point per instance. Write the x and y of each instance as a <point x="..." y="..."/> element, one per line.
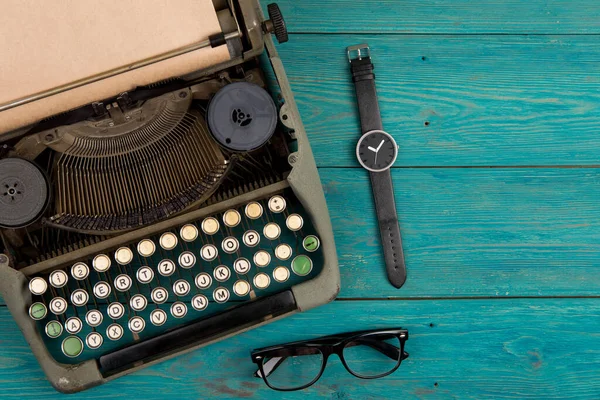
<point x="163" y="281"/>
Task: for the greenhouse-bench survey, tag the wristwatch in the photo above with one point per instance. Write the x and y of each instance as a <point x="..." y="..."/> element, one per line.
<point x="376" y="152"/>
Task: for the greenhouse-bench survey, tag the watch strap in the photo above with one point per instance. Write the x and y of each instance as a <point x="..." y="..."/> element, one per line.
<point x="366" y="94"/>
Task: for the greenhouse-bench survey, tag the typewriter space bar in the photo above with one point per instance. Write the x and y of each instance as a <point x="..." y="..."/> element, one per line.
<point x="195" y="333"/>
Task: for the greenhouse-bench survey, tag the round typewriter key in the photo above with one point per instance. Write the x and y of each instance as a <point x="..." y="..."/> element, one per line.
<point x="102" y="290"/>
<point x="58" y="305"/>
<point x="311" y="243"/>
<point x="80" y="271"/>
<point x="72" y="346"/>
<point x="123" y="283"/>
<point x="73" y="325"/>
<point x="38" y="286"/>
<point x="166" y="267"/>
<point x="178" y="309"/>
<point x="181" y="287"/>
<point x="262" y="280"/>
<point x="79" y="297"/>
<point x="254" y="210"/>
<point x="294" y="222"/>
<point x="208" y="252"/>
<point x="116" y="310"/>
<point x="283" y="251"/>
<point x="203" y="280"/>
<point x="144" y="275"/>
<point x="54" y="329"/>
<point x="94" y="318"/>
<point x="231" y="218"/>
<point x="114" y="331"/>
<point x="187" y="259"/>
<point x="38" y="311"/>
<point x="222" y="273"/>
<point x="138" y="302"/>
<point x="94" y="340"/>
<point x="199" y="302"/>
<point x="276" y="204"/>
<point x="230" y="245"/>
<point x="271" y="231"/>
<point x="146" y="248"/>
<point x="101" y="263"/>
<point x="123" y="255"/>
<point x="241" y="266"/>
<point x="159" y="295"/>
<point x="241" y="288"/>
<point x="262" y="258"/>
<point x="188" y="232"/>
<point x="302" y="265"/>
<point x="136" y="324"/>
<point x="168" y="241"/>
<point x="221" y="295"/>
<point x="281" y="274"/>
<point x="58" y="278"/>
<point x="210" y="226"/>
<point x="251" y="238"/>
<point x="158" y="317"/>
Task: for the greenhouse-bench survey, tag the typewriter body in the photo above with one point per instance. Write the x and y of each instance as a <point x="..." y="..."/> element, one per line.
<point x="166" y="217"/>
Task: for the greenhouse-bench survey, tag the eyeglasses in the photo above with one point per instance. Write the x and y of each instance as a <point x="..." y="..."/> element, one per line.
<point x="365" y="354"/>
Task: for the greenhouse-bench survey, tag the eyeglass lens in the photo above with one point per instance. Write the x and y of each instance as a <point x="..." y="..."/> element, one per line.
<point x="299" y="368"/>
<point x="372" y="356"/>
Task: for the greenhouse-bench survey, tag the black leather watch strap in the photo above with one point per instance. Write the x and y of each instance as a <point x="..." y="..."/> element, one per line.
<point x="366" y="94"/>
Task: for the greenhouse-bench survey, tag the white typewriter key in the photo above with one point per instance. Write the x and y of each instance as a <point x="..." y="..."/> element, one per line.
<point x="159" y="295"/>
<point x="94" y="318"/>
<point x="281" y="274"/>
<point x="262" y="258"/>
<point x="114" y="331"/>
<point x="241" y="266"/>
<point x="222" y="273"/>
<point x="102" y="290"/>
<point x="231" y="218"/>
<point x="38" y="311"/>
<point x="208" y="252"/>
<point x="54" y="329"/>
<point x="241" y="288"/>
<point x="181" y="287"/>
<point x="123" y="283"/>
<point x="199" y="302"/>
<point x="80" y="271"/>
<point x="166" y="267"/>
<point x="146" y="247"/>
<point x="138" y="302"/>
<point x="203" y="280"/>
<point x="38" y="286"/>
<point x="79" y="297"/>
<point x="145" y="275"/>
<point x="168" y="241"/>
<point x="283" y="251"/>
<point x="101" y="263"/>
<point x="251" y="238"/>
<point x="210" y="226"/>
<point x="58" y="278"/>
<point x="58" y="305"/>
<point x="262" y="280"/>
<point x="178" y="309"/>
<point x="253" y="210"/>
<point x="73" y="325"/>
<point x="221" y="295"/>
<point x="271" y="231"/>
<point x="158" y="317"/>
<point x="276" y="204"/>
<point x="187" y="259"/>
<point x="294" y="222"/>
<point x="123" y="255"/>
<point x="94" y="340"/>
<point x="188" y="232"/>
<point x="230" y="245"/>
<point x="136" y="324"/>
<point x="116" y="310"/>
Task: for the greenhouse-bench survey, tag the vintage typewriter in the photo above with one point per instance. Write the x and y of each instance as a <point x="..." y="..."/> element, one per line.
<point x="141" y="225"/>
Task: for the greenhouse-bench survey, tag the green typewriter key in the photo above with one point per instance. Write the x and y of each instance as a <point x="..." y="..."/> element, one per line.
<point x="37" y="311"/>
<point x="72" y="346"/>
<point x="302" y="265"/>
<point x="311" y="243"/>
<point x="54" y="329"/>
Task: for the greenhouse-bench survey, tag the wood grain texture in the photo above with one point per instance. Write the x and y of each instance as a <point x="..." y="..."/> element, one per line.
<point x="442" y="16"/>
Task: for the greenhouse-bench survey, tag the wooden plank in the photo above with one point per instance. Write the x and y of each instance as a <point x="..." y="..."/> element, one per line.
<point x="441" y="16"/>
<point x="460" y="349"/>
<point x="455" y="100"/>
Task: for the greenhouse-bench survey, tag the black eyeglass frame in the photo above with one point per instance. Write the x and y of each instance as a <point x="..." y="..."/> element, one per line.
<point x="328" y="345"/>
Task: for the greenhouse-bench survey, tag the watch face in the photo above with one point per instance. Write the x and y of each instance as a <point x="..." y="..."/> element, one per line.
<point x="376" y="151"/>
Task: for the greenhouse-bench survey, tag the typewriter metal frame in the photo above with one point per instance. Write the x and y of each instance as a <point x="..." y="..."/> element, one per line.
<point x="303" y="180"/>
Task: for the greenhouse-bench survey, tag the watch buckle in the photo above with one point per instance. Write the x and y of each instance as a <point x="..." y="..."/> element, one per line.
<point x="358" y="51"/>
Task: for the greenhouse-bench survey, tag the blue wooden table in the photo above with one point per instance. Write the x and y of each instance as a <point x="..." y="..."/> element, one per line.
<point x="496" y="107"/>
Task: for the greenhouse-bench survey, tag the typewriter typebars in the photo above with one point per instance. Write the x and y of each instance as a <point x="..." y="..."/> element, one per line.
<point x="167" y="218"/>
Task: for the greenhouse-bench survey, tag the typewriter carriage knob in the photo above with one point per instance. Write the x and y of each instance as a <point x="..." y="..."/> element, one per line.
<point x="276" y="23"/>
